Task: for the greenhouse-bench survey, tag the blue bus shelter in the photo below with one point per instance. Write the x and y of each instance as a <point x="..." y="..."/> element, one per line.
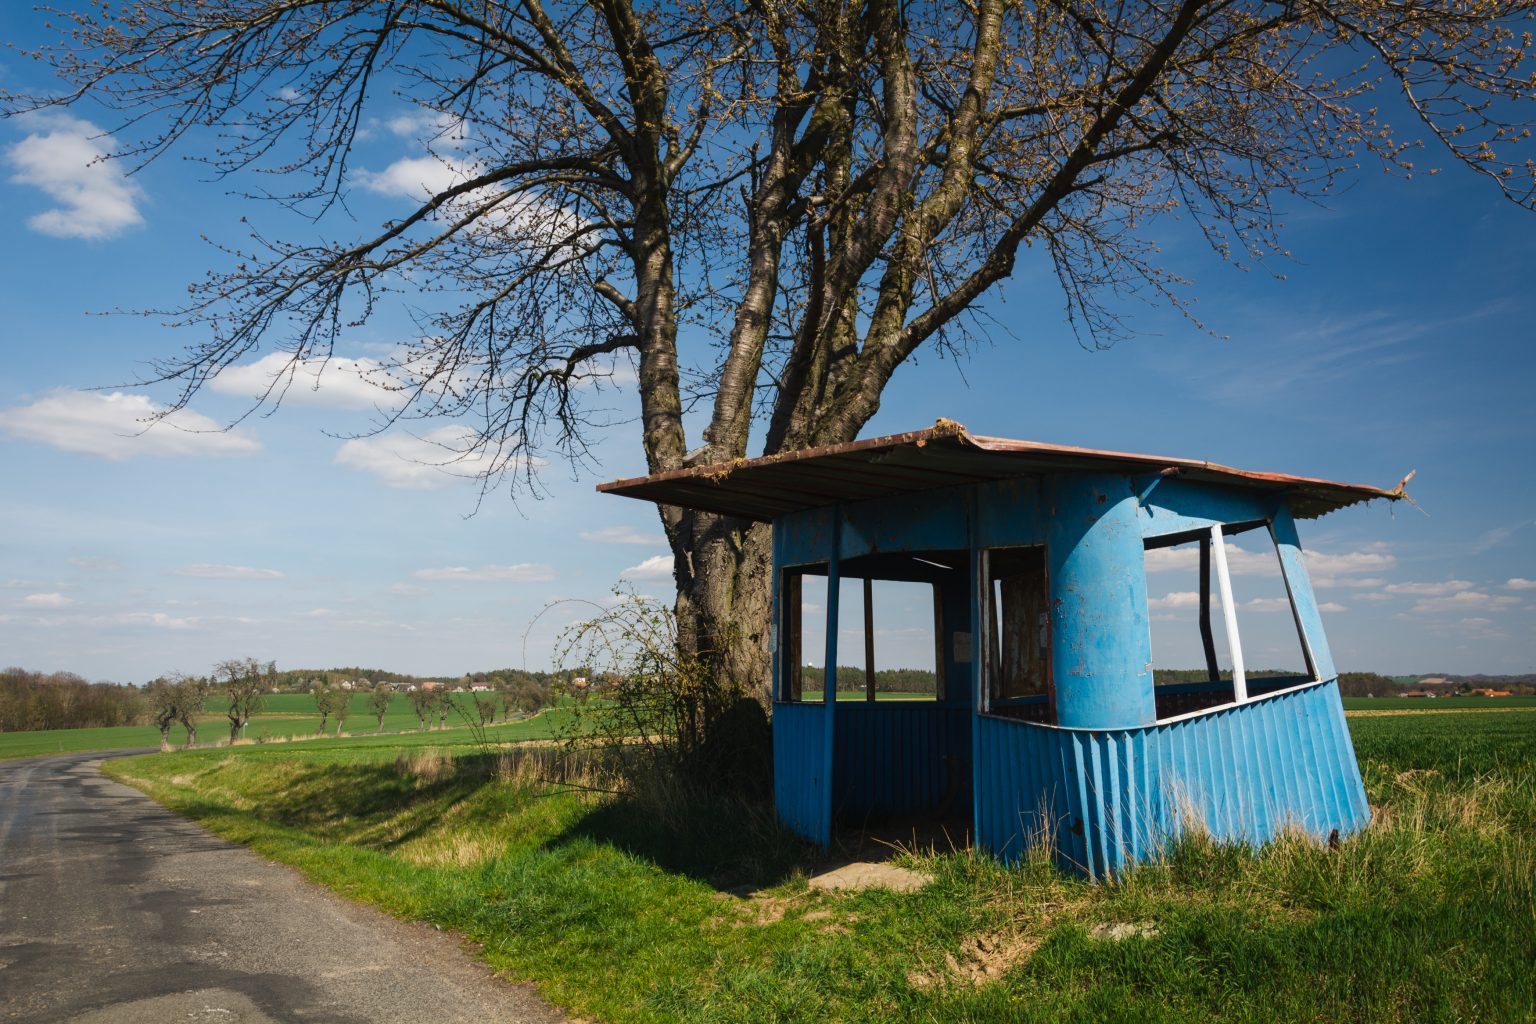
<point x="1047" y="723"/>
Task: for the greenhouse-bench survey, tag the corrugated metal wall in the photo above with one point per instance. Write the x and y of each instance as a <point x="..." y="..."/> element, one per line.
<point x="901" y="757"/>
<point x="801" y="789"/>
<point x="1107" y="798"/>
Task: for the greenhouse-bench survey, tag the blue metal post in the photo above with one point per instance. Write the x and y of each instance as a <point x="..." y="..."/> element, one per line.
<point x="829" y="707"/>
<point x="1101" y="641"/>
<point x="1283" y="526"/>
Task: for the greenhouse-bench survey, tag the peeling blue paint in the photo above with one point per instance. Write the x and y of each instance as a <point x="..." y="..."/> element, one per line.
<point x="1106" y="785"/>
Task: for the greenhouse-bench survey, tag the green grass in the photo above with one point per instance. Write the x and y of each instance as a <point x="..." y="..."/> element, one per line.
<point x="283" y="715"/>
<point x="637" y="908"/>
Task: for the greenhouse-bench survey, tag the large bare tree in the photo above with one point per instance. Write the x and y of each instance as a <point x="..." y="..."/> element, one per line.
<point x="807" y="192"/>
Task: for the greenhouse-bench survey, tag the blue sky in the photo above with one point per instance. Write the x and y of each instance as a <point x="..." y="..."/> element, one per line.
<point x="1401" y="338"/>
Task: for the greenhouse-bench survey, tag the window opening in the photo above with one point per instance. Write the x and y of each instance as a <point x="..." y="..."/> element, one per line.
<point x="1192" y="580"/>
<point x="1018" y="643"/>
<point x="892" y="627"/>
<point x="802" y="644"/>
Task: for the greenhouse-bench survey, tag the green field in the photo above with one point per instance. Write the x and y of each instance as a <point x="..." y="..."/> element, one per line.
<point x="283" y="716"/>
<point x="286" y="715"/>
<point x="671" y="906"/>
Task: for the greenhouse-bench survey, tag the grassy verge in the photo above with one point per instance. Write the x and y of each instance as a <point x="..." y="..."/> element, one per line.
<point x="667" y="906"/>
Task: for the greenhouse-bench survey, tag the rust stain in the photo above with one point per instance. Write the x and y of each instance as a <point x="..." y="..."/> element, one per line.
<point x="767" y="487"/>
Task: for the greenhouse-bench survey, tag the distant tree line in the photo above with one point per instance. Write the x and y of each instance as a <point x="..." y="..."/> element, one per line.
<point x="887" y="680"/>
<point x="304" y="680"/>
<point x="63" y="700"/>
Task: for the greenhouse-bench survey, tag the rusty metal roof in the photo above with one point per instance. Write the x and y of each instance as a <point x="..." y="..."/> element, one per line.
<point x="943" y="455"/>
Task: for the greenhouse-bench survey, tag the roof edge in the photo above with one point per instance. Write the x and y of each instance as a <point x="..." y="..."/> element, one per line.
<point x="951" y="430"/>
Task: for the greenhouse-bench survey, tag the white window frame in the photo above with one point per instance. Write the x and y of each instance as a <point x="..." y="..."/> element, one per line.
<point x="1217" y="535"/>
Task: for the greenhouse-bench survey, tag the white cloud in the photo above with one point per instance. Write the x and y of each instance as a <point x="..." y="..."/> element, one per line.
<point x="528" y="219"/>
<point x="1178" y="599"/>
<point x="1463" y="601"/>
<point x="1325" y="569"/>
<point x="67" y="158"/>
<point x="1498" y="535"/>
<point x="417" y="177"/>
<point x="622" y="535"/>
<point x="204" y="571"/>
<point x="96" y="564"/>
<point x="436" y="459"/>
<point x="1331" y="606"/>
<point x="1349" y="568"/>
<point x="430" y="126"/>
<point x="319" y="613"/>
<point x="332" y="383"/>
<point x="520" y="573"/>
<point x="657" y="567"/>
<point x="1266" y="604"/>
<point x="53" y="600"/>
<point x="159" y="620"/>
<point x="1436" y="589"/>
<point x="1240" y="561"/>
<point x="1520" y="584"/>
<point x="120" y="426"/>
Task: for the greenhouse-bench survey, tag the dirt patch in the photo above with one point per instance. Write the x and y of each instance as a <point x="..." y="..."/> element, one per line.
<point x="865" y="875"/>
<point x="981" y="959"/>
<point x="1119" y="931"/>
<point x="755" y="909"/>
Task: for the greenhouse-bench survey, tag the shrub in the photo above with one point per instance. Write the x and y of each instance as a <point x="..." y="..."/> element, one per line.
<point x="654" y="708"/>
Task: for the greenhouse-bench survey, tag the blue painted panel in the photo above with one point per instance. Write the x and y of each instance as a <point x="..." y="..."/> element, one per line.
<point x="1302" y="598"/>
<point x="901" y="757"/>
<point x="802" y="791"/>
<point x="1106" y="799"/>
<point x="1101" y="646"/>
<point x="1182" y="506"/>
<point x="1008" y="514"/>
<point x="925" y="521"/>
<point x="805" y="537"/>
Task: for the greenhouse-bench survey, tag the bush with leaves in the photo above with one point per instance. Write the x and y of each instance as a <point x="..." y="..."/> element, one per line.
<point x="655" y="706"/>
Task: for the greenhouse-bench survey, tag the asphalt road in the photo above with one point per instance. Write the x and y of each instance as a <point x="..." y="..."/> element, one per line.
<point x="113" y="909"/>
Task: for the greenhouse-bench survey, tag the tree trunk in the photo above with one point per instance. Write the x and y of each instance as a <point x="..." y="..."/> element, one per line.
<point x="724" y="614"/>
<point x="725" y="604"/>
<point x="165" y="737"/>
<point x="234" y="729"/>
<point x="324" y="718"/>
<point x="191" y="732"/>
